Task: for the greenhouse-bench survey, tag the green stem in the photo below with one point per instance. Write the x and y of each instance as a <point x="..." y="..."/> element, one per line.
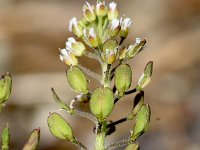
<point x="100" y="141"/>
<point x="79" y="144"/>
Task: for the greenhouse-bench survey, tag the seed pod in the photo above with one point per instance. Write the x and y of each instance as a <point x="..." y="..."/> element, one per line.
<point x="102" y="103"/>
<point x="59" y="127"/>
<point x="5" y="138"/>
<point x="77" y="80"/>
<point x="5" y="87"/>
<point x="133" y="147"/>
<point x="138" y="102"/>
<point x="136" y="48"/>
<point x="142" y="121"/>
<point x="145" y="78"/>
<point x="33" y="140"/>
<point x="109" y="51"/>
<point x="123" y="78"/>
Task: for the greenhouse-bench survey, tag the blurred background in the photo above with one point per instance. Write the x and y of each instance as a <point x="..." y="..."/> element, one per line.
<point x="31" y="31"/>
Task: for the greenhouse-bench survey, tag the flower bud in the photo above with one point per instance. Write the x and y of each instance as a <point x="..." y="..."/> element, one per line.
<point x="125" y="26"/>
<point x="114" y="28"/>
<point x="132" y="147"/>
<point x="142" y="121"/>
<point x="123" y="78"/>
<point x="101" y="9"/>
<point x="109" y="51"/>
<point x="77" y="48"/>
<point x="75" y="27"/>
<point x="91" y="37"/>
<point x="145" y="78"/>
<point x="33" y="140"/>
<point x="136" y="48"/>
<point x="77" y="80"/>
<point x="59" y="127"/>
<point x="5" y="88"/>
<point x="112" y="11"/>
<point x="5" y="138"/>
<point x="138" y="102"/>
<point x="88" y="12"/>
<point x="67" y="57"/>
<point x="102" y="103"/>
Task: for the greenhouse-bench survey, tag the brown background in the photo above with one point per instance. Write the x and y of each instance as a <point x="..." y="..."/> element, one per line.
<point x="31" y="31"/>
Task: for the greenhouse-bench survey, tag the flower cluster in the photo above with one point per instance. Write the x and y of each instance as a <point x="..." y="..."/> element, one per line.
<point x="103" y="31"/>
<point x="100" y="26"/>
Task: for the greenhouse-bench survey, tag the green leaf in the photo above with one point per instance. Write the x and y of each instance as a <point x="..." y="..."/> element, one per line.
<point x="5" y="138"/>
<point x="59" y="127"/>
<point x="77" y="80"/>
<point x="61" y="103"/>
<point x="33" y="140"/>
<point x="102" y="103"/>
<point x="5" y="88"/>
<point x="123" y="78"/>
<point x="142" y="121"/>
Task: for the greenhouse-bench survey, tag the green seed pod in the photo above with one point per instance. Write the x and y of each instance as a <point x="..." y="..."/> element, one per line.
<point x="77" y="80"/>
<point x="133" y="147"/>
<point x="123" y="78"/>
<point x="142" y="121"/>
<point x="110" y="44"/>
<point x="145" y="78"/>
<point x="5" y="87"/>
<point x="5" y="138"/>
<point x="136" y="48"/>
<point x="33" y="140"/>
<point x="59" y="127"/>
<point x="138" y="102"/>
<point x="102" y="102"/>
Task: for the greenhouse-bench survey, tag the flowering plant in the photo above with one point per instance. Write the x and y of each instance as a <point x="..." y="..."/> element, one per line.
<point x="103" y="32"/>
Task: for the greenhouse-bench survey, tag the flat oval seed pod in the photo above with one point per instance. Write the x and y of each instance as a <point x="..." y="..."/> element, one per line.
<point x="123" y="78"/>
<point x="102" y="102"/>
<point x="77" y="80"/>
<point x="59" y="127"/>
<point x="142" y="121"/>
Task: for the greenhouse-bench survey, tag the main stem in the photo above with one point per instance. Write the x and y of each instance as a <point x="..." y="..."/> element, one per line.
<point x="101" y="131"/>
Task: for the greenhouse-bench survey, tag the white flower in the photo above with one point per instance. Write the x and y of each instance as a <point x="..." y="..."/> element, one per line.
<point x="92" y="33"/>
<point x="99" y="3"/>
<point x="64" y="54"/>
<point x="69" y="43"/>
<point x="126" y="23"/>
<point x="137" y="40"/>
<point x="90" y="7"/>
<point x="101" y="9"/>
<point x="88" y="12"/>
<point x="115" y="23"/>
<point x="72" y="22"/>
<point x="112" y="11"/>
<point x="113" y="6"/>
